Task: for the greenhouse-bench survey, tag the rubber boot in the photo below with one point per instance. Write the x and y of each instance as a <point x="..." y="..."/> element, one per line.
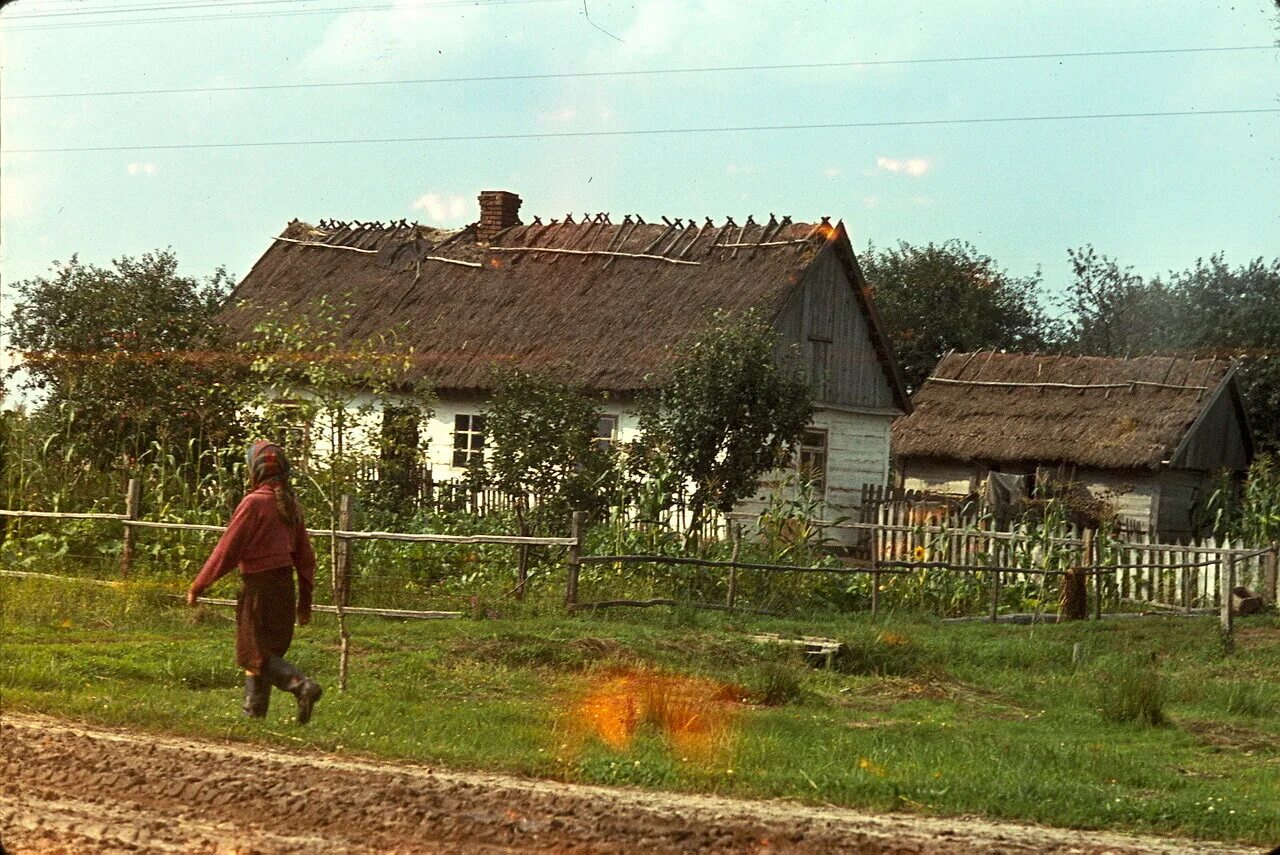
<point x="284" y="676"/>
<point x="257" y="695"/>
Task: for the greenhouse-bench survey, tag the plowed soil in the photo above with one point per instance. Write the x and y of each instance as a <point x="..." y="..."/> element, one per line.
<point x="72" y="788"/>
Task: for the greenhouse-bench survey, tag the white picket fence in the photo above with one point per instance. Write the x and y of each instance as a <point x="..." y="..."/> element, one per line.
<point x="1183" y="575"/>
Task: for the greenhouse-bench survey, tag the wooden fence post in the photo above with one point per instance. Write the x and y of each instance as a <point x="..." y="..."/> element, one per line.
<point x="576" y="529"/>
<point x="132" y="510"/>
<point x="735" y="535"/>
<point x="341" y="580"/>
<point x="995" y="594"/>
<point x="1091" y="554"/>
<point x="875" y="587"/>
<point x="346" y="520"/>
<point x="1227" y="587"/>
<point x="1269" y="575"/>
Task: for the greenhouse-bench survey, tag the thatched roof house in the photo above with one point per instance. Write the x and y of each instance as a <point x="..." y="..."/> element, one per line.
<point x="606" y="305"/>
<point x="1153" y="430"/>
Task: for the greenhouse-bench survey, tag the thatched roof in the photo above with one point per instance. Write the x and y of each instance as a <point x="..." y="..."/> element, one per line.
<point x="602" y="320"/>
<point x="1085" y="410"/>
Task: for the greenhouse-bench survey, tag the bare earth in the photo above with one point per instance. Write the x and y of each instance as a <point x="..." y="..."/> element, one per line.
<point x="72" y="788"/>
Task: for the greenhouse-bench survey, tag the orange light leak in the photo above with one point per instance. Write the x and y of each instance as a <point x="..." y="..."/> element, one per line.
<point x="493" y="262"/>
<point x="827" y="230"/>
<point x="695" y="715"/>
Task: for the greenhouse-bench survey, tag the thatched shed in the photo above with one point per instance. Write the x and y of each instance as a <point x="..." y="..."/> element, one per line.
<point x="605" y="305"/>
<point x="1152" y="432"/>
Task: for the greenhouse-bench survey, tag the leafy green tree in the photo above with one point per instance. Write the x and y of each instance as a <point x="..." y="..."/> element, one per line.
<point x="942" y="297"/>
<point x="130" y="353"/>
<point x="542" y="435"/>
<point x="727" y="414"/>
<point x="1111" y="311"/>
<point x="1209" y="309"/>
<point x="1235" y="312"/>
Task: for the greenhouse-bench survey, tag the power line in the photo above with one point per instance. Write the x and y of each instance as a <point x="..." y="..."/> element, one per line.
<point x="134" y="7"/>
<point x="270" y="14"/>
<point x="810" y="66"/>
<point x="651" y="131"/>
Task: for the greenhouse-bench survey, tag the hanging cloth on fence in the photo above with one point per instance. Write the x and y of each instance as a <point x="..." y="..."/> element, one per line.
<point x="1003" y="496"/>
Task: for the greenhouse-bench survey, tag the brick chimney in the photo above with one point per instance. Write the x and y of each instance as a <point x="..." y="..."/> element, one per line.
<point x="499" y="210"/>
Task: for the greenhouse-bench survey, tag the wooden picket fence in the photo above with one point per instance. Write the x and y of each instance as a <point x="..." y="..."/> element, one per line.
<point x="1180" y="575"/>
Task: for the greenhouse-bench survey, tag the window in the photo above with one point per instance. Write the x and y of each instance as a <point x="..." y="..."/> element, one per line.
<point x="606" y="434"/>
<point x="293" y="430"/>
<point x="813" y="458"/>
<point x="468" y="439"/>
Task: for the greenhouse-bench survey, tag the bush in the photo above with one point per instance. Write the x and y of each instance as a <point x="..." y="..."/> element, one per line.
<point x="777" y="683"/>
<point x="1133" y="692"/>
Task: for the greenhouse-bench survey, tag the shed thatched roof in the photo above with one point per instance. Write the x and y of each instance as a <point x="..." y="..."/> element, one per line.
<point x="1085" y="410"/>
<point x="604" y="321"/>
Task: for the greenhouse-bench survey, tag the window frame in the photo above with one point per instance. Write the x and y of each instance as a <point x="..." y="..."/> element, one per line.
<point x="605" y="444"/>
<point x="470" y="451"/>
<point x="806" y="451"/>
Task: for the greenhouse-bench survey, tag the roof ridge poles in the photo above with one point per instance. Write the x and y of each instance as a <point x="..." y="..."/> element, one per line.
<point x="626" y="221"/>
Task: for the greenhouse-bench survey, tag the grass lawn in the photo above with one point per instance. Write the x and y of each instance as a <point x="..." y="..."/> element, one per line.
<point x="917" y="715"/>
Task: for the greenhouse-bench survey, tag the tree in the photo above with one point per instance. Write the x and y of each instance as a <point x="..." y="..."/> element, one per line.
<point x="942" y="297"/>
<point x="1112" y="311"/>
<point x="129" y="354"/>
<point x="1235" y="313"/>
<point x="727" y="415"/>
<point x="1209" y="309"/>
<point x="542" y="433"/>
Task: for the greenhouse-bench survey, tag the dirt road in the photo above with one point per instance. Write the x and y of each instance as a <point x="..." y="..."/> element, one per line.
<point x="71" y="788"/>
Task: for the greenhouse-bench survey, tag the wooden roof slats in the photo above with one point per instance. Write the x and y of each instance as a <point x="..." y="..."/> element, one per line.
<point x="625" y="232"/>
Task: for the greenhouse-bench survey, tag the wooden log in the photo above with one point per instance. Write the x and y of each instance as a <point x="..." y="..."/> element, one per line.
<point x="665" y="601"/>
<point x="58" y="515"/>
<point x="326" y="245"/>
<point x="132" y="508"/>
<point x="215" y="601"/>
<point x="601" y="252"/>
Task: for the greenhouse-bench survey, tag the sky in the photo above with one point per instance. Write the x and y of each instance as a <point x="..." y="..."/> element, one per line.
<point x="1156" y="192"/>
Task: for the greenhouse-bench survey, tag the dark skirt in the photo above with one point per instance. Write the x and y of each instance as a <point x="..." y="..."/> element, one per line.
<point x="265" y="610"/>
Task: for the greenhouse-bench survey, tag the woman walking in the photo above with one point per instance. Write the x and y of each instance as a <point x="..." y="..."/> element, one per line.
<point x="268" y="540"/>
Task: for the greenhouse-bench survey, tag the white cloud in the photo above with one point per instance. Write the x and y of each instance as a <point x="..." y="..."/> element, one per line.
<point x="870" y="201"/>
<point x="913" y="166"/>
<point x="832" y="172"/>
<point x="559" y="115"/>
<point x="411" y="32"/>
<point x="444" y="210"/>
<point x="141" y="168"/>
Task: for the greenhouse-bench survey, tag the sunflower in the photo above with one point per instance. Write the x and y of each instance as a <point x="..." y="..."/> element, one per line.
<point x="919" y="553"/>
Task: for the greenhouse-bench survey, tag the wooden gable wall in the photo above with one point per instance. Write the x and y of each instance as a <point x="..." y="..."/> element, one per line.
<point x="824" y="334"/>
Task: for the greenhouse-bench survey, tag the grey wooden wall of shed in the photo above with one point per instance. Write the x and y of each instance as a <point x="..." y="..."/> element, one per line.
<point x="825" y="322"/>
<point x="1218" y="441"/>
